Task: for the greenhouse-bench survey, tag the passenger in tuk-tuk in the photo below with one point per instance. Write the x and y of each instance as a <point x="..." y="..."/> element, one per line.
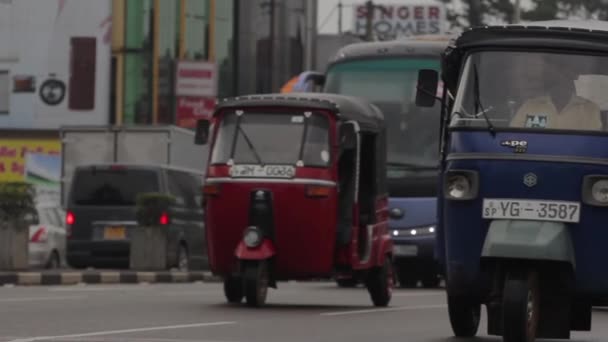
<point x="552" y="100"/>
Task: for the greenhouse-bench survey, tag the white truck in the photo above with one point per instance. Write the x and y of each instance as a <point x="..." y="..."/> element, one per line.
<point x="147" y="145"/>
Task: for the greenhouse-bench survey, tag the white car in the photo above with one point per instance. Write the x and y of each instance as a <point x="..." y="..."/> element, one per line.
<point x="47" y="238"/>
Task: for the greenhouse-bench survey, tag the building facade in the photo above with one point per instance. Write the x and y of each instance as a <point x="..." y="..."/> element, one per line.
<point x="54" y="63"/>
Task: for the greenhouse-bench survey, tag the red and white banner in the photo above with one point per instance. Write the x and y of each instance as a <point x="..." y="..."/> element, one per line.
<point x="194" y="78"/>
<point x="196" y="91"/>
<point x="191" y="109"/>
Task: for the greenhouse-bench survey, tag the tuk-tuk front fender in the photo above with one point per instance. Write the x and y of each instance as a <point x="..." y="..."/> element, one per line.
<point x="532" y="240"/>
<point x="264" y="251"/>
<point x="385" y="249"/>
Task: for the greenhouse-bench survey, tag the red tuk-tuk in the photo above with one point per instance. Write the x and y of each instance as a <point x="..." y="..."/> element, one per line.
<point x="295" y="189"/>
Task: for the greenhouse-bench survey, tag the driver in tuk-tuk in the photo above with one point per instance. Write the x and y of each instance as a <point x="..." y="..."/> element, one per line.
<point x="552" y="102"/>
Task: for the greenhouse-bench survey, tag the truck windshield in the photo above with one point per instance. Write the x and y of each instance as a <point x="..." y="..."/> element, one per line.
<point x="272" y="138"/>
<point x="537" y="90"/>
<point x="107" y="187"/>
<point x="390" y="84"/>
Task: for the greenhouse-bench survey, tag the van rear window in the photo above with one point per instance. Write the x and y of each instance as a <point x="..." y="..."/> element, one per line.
<point x="106" y="187"/>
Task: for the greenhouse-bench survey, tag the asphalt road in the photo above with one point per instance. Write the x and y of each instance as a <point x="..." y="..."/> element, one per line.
<point x="197" y="312"/>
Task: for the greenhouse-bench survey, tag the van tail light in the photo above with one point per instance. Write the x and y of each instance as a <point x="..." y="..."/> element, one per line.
<point x="164" y="219"/>
<point x="317" y="191"/>
<point x="70" y="219"/>
<point x="40" y="236"/>
<point x="211" y="189"/>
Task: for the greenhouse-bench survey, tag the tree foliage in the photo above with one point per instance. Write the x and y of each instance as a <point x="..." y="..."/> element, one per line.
<point x="465" y="13"/>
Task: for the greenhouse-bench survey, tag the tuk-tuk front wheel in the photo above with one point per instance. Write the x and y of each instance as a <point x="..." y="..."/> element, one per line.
<point x="233" y="289"/>
<point x="521" y="306"/>
<point x="464" y="316"/>
<point x="380" y="283"/>
<point x="255" y="280"/>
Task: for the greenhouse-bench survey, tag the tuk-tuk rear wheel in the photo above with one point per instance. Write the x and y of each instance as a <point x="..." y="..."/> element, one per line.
<point x="464" y="315"/>
<point x="255" y="280"/>
<point x="521" y="306"/>
<point x="233" y="289"/>
<point x="380" y="283"/>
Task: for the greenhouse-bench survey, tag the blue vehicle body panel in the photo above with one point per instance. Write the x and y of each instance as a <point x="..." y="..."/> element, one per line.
<point x="560" y="162"/>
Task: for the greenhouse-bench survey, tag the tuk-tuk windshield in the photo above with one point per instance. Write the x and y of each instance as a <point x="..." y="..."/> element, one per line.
<point x="532" y="90"/>
<point x="272" y="138"/>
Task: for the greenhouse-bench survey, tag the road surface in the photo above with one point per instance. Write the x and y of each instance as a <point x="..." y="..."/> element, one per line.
<point x="197" y="312"/>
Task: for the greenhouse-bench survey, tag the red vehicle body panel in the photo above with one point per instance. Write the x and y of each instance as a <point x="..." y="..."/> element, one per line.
<point x="305" y="228"/>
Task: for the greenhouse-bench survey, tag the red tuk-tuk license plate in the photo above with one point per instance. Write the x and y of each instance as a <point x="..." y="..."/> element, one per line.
<point x="539" y="210"/>
<point x="266" y="171"/>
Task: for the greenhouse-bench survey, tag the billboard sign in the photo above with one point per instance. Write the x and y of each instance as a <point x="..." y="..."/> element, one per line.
<point x="196" y="79"/>
<point x="392" y="21"/>
<point x="196" y="91"/>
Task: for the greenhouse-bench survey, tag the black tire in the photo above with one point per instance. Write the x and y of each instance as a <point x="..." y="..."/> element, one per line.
<point x="407" y="279"/>
<point x="233" y="289"/>
<point x="255" y="280"/>
<point x="54" y="261"/>
<point x="183" y="259"/>
<point x="431" y="281"/>
<point x="521" y="306"/>
<point x="380" y="284"/>
<point x="347" y="282"/>
<point x="465" y="315"/>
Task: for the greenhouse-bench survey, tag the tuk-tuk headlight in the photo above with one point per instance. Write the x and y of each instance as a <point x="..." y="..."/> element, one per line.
<point x="595" y="190"/>
<point x="599" y="191"/>
<point x="252" y="237"/>
<point x="461" y="185"/>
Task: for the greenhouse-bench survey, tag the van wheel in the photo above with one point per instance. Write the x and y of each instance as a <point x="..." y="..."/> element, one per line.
<point x="183" y="261"/>
<point x="464" y="316"/>
<point x="380" y="283"/>
<point x="255" y="279"/>
<point x="233" y="289"/>
<point x="521" y="306"/>
<point x="54" y="261"/>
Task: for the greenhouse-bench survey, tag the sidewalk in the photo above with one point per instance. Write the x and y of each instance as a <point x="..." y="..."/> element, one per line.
<point x="72" y="277"/>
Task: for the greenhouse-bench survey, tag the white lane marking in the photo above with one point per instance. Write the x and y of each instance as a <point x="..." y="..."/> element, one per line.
<point x="399" y="308"/>
<point x="421" y="294"/>
<point x="36" y="299"/>
<point x="94" y="289"/>
<point x="124" y="331"/>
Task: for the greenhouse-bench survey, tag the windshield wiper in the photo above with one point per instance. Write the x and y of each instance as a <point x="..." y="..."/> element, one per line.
<point x="477" y="100"/>
<point x="250" y="144"/>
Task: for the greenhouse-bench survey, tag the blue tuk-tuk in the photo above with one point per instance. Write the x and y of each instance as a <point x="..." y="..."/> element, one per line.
<point x="523" y="203"/>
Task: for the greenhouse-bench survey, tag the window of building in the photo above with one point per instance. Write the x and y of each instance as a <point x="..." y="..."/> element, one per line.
<point x="4" y="92"/>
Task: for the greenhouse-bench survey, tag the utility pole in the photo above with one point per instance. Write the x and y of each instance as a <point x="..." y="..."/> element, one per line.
<point x="517" y="12"/>
<point x="340" y="7"/>
<point x="369" y="34"/>
<point x="311" y="34"/>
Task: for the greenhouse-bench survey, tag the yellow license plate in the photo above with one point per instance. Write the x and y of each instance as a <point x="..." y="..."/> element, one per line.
<point x="114" y="233"/>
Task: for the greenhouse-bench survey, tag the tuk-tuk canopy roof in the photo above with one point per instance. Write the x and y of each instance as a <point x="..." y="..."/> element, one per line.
<point x="368" y="116"/>
<point x="394" y="48"/>
<point x="570" y="34"/>
<point x="573" y="35"/>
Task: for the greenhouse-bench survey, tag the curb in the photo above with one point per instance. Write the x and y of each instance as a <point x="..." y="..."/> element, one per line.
<point x="103" y="277"/>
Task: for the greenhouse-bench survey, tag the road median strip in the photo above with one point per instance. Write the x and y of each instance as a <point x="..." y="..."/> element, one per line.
<point x="72" y="277"/>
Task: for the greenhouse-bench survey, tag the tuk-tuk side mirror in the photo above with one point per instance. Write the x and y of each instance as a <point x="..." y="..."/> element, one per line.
<point x="201" y="136"/>
<point x="428" y="80"/>
<point x="347" y="138"/>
